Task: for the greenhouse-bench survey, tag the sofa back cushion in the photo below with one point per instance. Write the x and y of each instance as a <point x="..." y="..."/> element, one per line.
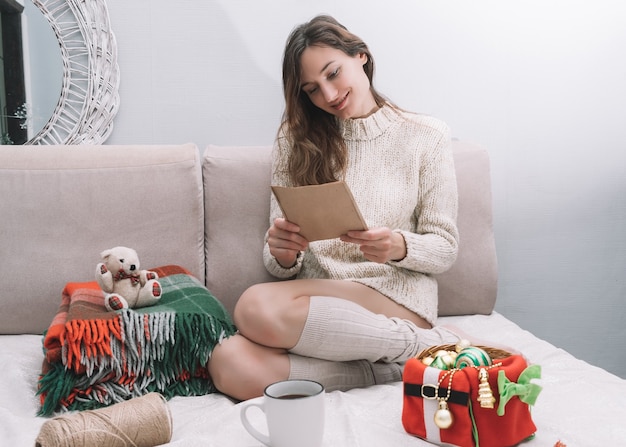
<point x="61" y="206"/>
<point x="237" y="194"/>
<point x="237" y="202"/>
<point x="470" y="285"/>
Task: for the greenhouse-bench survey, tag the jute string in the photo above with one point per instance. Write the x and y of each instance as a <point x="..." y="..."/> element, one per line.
<point x="140" y="422"/>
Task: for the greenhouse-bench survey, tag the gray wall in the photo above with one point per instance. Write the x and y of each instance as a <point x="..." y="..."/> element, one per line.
<point x="539" y="83"/>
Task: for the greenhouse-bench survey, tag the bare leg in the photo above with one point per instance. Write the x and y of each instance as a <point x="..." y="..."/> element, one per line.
<point x="270" y="318"/>
<point x="242" y="369"/>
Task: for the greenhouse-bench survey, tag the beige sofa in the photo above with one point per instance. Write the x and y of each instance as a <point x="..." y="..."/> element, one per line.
<point x="207" y="211"/>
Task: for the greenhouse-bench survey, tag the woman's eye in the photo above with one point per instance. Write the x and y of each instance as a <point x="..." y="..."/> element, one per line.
<point x="333" y="74"/>
<point x="312" y="91"/>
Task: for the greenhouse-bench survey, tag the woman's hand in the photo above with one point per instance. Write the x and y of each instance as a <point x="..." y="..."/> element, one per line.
<point x="285" y="242"/>
<point x="379" y="244"/>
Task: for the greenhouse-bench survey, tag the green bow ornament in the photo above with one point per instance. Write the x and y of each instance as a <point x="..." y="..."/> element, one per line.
<point x="526" y="391"/>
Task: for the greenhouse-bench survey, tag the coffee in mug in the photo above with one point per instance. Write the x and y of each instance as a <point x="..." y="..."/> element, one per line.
<point x="294" y="411"/>
<point x="292" y="396"/>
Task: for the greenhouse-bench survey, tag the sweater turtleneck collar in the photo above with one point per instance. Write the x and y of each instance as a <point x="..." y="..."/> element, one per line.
<point x="371" y="126"/>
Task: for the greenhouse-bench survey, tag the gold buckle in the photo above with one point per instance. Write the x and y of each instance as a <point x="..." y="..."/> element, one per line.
<point x="429" y="386"/>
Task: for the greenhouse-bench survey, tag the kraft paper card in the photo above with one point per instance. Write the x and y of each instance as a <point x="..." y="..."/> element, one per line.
<point x="321" y="211"/>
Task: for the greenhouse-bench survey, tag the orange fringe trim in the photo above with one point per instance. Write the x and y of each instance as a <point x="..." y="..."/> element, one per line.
<point x="93" y="335"/>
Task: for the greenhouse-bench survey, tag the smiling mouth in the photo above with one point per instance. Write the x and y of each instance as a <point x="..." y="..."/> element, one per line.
<point x="339" y="104"/>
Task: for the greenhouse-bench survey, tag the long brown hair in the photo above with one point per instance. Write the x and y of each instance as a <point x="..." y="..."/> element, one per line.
<point x="318" y="151"/>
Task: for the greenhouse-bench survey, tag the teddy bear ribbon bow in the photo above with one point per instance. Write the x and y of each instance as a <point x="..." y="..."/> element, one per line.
<point x="123" y="275"/>
<point x="526" y="391"/>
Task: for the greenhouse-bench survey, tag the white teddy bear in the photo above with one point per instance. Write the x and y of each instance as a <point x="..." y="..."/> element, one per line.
<point x="126" y="286"/>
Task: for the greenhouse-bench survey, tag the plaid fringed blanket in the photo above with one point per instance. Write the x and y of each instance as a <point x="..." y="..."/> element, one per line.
<point x="95" y="358"/>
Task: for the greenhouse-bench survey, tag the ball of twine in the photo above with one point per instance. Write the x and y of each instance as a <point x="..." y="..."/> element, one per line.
<point x="140" y="422"/>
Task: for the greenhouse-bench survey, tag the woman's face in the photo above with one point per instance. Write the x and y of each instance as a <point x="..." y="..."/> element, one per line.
<point x="336" y="82"/>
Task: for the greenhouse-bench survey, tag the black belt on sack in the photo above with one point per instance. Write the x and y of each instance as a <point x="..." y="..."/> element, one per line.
<point x="434" y="392"/>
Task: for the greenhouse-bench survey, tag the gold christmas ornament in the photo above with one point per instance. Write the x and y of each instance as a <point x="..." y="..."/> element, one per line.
<point x="443" y="416"/>
<point x="441" y="359"/>
<point x="485" y="395"/>
<point x="448" y="360"/>
<point x="462" y="344"/>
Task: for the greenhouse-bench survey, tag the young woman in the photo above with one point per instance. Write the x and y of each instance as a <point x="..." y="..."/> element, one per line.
<point x="360" y="305"/>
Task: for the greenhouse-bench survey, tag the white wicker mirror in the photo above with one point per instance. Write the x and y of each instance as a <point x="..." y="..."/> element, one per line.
<point x="89" y="95"/>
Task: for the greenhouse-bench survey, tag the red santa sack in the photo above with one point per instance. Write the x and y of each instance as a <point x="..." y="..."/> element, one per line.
<point x="481" y="406"/>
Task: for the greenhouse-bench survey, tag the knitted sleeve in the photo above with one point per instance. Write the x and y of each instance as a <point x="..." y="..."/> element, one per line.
<point x="279" y="177"/>
<point x="433" y="247"/>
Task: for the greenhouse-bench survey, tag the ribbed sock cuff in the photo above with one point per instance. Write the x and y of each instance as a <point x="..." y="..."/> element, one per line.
<point x="315" y="328"/>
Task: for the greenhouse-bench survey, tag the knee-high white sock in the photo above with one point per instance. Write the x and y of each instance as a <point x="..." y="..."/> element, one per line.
<point x="340" y="330"/>
<point x="343" y="376"/>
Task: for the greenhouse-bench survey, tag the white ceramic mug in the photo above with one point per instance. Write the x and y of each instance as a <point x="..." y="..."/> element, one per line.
<point x="294" y="411"/>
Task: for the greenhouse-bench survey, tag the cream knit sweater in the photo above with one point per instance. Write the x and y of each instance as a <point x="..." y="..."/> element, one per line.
<point x="401" y="173"/>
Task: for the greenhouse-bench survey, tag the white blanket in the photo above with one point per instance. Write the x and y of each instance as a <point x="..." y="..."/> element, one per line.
<point x="580" y="405"/>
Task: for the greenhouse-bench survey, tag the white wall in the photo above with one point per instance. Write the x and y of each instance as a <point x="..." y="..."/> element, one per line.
<point x="541" y="84"/>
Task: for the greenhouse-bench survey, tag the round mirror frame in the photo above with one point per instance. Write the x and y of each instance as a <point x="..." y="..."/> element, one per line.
<point x="89" y="95"/>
